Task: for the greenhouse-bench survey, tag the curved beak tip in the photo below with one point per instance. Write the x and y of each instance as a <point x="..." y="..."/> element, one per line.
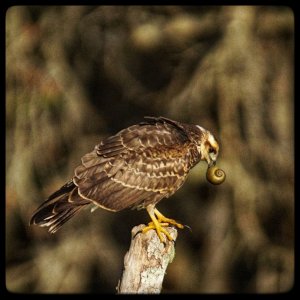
<point x="211" y="163"/>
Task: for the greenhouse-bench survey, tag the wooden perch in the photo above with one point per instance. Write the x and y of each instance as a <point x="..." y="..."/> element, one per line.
<point x="146" y="262"/>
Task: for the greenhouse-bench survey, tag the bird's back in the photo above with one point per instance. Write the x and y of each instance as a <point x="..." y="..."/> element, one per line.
<point x="138" y="166"/>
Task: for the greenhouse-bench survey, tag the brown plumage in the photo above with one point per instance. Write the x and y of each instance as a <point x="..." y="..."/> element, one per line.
<point x="137" y="167"/>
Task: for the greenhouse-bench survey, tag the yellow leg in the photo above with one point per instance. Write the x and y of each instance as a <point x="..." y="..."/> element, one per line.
<point x="159" y="222"/>
<point x="162" y="218"/>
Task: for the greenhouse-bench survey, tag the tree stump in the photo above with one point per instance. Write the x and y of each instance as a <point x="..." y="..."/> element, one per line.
<point x="146" y="262"/>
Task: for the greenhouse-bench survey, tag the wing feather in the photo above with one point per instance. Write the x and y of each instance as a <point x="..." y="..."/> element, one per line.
<point x="140" y="164"/>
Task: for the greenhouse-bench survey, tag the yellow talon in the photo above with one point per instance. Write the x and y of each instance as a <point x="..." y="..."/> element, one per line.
<point x="158" y="229"/>
<point x="162" y="218"/>
<point x="152" y="226"/>
<point x="158" y="222"/>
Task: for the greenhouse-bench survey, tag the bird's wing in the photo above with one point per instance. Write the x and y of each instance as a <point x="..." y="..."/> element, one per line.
<point x="140" y="165"/>
<point x="142" y="136"/>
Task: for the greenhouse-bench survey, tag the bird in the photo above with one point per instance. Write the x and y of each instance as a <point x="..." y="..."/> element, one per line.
<point x="135" y="168"/>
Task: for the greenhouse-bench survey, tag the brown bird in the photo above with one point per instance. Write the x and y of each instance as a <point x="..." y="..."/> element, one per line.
<point x="137" y="167"/>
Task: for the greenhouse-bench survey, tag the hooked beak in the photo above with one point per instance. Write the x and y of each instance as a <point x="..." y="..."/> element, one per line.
<point x="211" y="163"/>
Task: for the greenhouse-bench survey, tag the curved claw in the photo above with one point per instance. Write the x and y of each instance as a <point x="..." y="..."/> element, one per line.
<point x="162" y="218"/>
<point x="188" y="227"/>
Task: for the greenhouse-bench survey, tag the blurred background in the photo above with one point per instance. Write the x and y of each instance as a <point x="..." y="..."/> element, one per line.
<point x="77" y="74"/>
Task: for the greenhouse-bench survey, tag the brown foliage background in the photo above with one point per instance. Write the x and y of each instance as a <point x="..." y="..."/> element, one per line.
<point x="75" y="74"/>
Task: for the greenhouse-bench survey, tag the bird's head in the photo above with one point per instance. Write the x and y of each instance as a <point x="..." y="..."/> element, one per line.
<point x="208" y="147"/>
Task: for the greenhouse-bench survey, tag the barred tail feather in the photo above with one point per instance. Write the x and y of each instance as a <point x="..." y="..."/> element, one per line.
<point x="55" y="211"/>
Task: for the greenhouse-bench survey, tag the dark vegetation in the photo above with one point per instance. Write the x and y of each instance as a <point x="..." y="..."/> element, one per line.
<point x="77" y="74"/>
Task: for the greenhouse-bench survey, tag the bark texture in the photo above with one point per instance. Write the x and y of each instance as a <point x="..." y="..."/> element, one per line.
<point x="146" y="262"/>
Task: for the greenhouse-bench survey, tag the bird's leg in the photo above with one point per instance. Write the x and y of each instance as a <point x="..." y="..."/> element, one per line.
<point x="155" y="224"/>
<point x="159" y="222"/>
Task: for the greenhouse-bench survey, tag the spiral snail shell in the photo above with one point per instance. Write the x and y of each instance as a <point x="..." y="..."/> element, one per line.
<point x="215" y="175"/>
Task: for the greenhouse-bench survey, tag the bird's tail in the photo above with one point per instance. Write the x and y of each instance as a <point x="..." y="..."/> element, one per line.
<point x="59" y="208"/>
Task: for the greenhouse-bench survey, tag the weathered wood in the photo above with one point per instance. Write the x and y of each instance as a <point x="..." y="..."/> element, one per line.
<point x="146" y="262"/>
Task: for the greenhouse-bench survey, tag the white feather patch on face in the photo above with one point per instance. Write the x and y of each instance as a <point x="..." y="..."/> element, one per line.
<point x="213" y="142"/>
<point x="207" y="143"/>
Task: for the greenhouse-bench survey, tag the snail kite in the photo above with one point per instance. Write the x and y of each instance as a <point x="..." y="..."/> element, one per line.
<point x="137" y="167"/>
